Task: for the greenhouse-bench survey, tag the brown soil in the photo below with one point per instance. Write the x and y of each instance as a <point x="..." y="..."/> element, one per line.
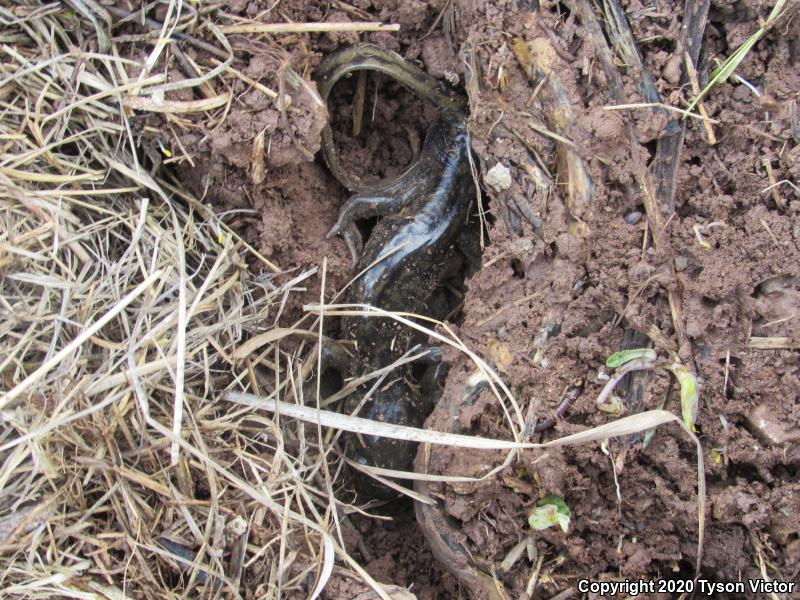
<point x="742" y="281"/>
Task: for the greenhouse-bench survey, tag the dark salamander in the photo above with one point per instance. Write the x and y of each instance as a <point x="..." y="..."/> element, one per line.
<point x="418" y="246"/>
<point x="410" y="253"/>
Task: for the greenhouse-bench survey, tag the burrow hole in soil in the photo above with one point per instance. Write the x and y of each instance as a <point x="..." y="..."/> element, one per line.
<point x="394" y="122"/>
<point x="393" y="125"/>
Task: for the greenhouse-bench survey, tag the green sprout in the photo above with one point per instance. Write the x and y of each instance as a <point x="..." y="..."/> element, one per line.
<point x="646" y="359"/>
<point x="550" y="511"/>
<point x="616" y="360"/>
<point x="613" y="406"/>
<point x="690" y="396"/>
<point x="729" y="66"/>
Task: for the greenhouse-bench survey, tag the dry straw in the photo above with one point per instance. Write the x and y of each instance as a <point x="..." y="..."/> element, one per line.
<point x="122" y="303"/>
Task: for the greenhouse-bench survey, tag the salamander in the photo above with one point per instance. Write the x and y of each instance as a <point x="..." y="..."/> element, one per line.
<point x="412" y="250"/>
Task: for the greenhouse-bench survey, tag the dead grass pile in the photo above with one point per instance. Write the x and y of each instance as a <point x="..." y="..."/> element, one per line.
<point x="122" y="300"/>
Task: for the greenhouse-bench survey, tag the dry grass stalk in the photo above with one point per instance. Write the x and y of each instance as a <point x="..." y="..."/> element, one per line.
<point x="635" y="423"/>
<point x="122" y="301"/>
<point x="702" y="116"/>
<point x="773" y="343"/>
<point x="309" y="27"/>
<point x="691" y="73"/>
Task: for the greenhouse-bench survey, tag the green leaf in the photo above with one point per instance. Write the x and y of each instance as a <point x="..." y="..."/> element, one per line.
<point x="550" y="511"/>
<point x="616" y="360"/>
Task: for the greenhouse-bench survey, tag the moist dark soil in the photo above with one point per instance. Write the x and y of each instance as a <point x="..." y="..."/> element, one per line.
<point x="730" y="257"/>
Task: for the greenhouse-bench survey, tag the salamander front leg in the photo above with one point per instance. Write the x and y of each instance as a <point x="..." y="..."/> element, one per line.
<point x="365" y="206"/>
<point x="380" y="202"/>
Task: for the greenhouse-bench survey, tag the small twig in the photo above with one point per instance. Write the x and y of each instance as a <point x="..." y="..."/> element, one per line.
<point x="692" y="73"/>
<point x="767" y="228"/>
<point x="781" y="182"/>
<point x="686" y="113"/>
<point x="176" y="106"/>
<point x="284" y="71"/>
<point x="551" y="134"/>
<point x="192" y="72"/>
<point x="437" y="19"/>
<point x="555" y="41"/>
<point x="773" y="185"/>
<point x="358" y="102"/>
<point x="773" y="343"/>
<point x="563" y="126"/>
<point x="309" y="27"/>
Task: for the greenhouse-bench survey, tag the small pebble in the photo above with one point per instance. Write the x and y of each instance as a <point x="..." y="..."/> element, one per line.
<point x="452" y="78"/>
<point x="498" y="177"/>
<point x="771" y="429"/>
<point x="236" y="527"/>
<point x="632" y="218"/>
<point x="522" y="246"/>
<point x="681" y="262"/>
<point x="672" y="69"/>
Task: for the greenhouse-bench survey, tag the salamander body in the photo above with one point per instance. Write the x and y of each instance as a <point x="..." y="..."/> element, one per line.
<point x="418" y="244"/>
<point x="410" y="253"/>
